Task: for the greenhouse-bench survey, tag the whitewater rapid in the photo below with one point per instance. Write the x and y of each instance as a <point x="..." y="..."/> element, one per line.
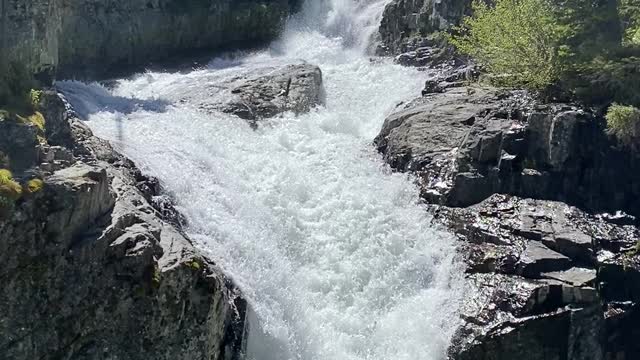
<point x="336" y="256"/>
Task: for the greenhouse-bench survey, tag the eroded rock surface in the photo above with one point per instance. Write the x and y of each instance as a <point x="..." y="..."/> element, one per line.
<point x="95" y="265"/>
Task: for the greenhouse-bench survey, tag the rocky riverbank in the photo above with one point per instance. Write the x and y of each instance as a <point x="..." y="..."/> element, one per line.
<point x="95" y="265"/>
<point x="542" y="198"/>
<point x="545" y="204"/>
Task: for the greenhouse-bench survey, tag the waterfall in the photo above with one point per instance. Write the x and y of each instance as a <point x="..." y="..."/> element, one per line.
<point x="334" y="252"/>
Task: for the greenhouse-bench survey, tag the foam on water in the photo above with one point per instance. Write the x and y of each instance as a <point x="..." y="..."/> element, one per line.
<point x="332" y="249"/>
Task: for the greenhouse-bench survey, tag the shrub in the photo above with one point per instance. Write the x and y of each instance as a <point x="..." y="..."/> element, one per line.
<point x="10" y="191"/>
<point x="520" y="40"/>
<point x="33" y="186"/>
<point x="624" y="123"/>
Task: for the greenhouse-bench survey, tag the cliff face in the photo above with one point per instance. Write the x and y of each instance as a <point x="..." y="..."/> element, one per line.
<point x="94" y="263"/>
<point x="406" y="23"/>
<point x="95" y="36"/>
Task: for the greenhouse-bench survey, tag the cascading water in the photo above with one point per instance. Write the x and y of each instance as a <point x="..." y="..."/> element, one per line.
<point x="333" y="251"/>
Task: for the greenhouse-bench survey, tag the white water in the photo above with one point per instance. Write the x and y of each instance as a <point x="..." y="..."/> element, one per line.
<point x="333" y="251"/>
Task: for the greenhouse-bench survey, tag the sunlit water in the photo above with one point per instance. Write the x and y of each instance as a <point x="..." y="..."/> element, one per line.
<point x="333" y="251"/>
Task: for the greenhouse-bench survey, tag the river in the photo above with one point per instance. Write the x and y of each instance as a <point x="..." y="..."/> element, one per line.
<point x="335" y="254"/>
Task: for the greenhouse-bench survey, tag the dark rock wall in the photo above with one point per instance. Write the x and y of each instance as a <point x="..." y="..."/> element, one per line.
<point x="406" y="22"/>
<point x="94" y="266"/>
<point x="93" y="37"/>
<point x="477" y="141"/>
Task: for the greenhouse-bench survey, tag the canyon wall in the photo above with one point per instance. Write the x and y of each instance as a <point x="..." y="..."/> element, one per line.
<point x="95" y="37"/>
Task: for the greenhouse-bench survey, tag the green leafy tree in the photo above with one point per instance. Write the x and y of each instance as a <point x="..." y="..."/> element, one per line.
<point x="624" y="123"/>
<point x="630" y="20"/>
<point x="520" y="41"/>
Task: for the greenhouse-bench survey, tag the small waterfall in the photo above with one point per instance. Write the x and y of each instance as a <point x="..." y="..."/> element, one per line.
<point x="333" y="251"/>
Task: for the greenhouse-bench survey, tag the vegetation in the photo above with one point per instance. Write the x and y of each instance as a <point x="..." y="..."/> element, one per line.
<point x="624" y="123"/>
<point x="194" y="264"/>
<point x="517" y="40"/>
<point x="33" y="186"/>
<point x="607" y="79"/>
<point x="630" y="21"/>
<point x="10" y="191"/>
<point x="562" y="46"/>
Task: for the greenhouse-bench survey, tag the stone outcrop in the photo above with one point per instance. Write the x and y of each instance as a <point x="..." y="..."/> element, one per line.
<point x="407" y="24"/>
<point x="94" y="37"/>
<point x="95" y="265"/>
<point x="467" y="143"/>
<point x="504" y="172"/>
<point x="540" y="272"/>
<point x="295" y="88"/>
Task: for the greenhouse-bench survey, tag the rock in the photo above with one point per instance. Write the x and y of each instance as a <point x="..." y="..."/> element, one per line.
<point x="511" y="318"/>
<point x="537" y="258"/>
<point x="533" y="273"/>
<point x="407" y="22"/>
<point x="19" y="141"/>
<point x="92" y="37"/>
<point x="577" y="277"/>
<point x="467" y="143"/>
<point x="92" y="269"/>
<point x="296" y="88"/>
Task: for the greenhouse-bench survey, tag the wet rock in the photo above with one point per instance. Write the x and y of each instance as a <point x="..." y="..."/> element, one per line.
<point x="537" y="258"/>
<point x="533" y="270"/>
<point x="296" y="88"/>
<point x="467" y="143"/>
<point x="507" y="317"/>
<point x="91" y="269"/>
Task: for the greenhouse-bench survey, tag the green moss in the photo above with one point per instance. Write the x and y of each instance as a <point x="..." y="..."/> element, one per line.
<point x="33" y="186"/>
<point x="10" y="192"/>
<point x="38" y="120"/>
<point x="9" y="188"/>
<point x="194" y="264"/>
<point x="624" y="123"/>
<point x="35" y="96"/>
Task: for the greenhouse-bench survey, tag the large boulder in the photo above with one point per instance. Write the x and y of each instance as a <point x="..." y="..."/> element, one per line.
<point x="466" y="143"/>
<point x="95" y="265"/>
<point x="296" y="88"/>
